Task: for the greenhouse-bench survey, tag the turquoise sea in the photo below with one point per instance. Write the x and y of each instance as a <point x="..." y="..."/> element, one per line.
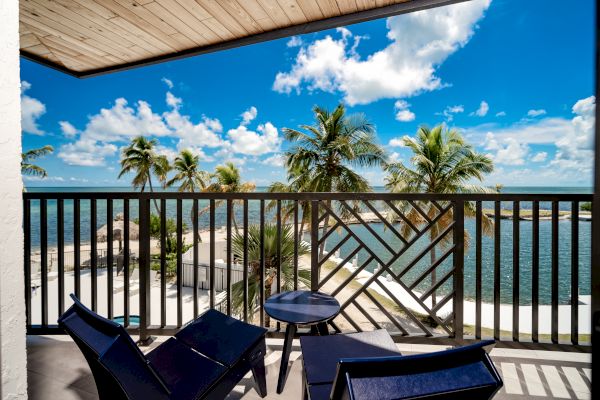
<point x="487" y="246"/>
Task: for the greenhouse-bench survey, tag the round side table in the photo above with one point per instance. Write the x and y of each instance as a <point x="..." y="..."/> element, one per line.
<point x="300" y="307"/>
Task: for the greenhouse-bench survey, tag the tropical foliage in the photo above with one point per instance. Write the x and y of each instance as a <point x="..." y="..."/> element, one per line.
<point x="170" y="243"/>
<point x="442" y="162"/>
<point x="141" y="159"/>
<point x="188" y="174"/>
<point x="228" y="179"/>
<point x="288" y="206"/>
<point x="271" y="262"/>
<point x="27" y="158"/>
<point x="323" y="155"/>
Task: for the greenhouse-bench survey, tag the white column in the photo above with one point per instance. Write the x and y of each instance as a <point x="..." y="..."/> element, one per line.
<point x="12" y="301"/>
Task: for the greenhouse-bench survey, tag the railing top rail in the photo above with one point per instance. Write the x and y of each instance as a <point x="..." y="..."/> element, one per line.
<point x="305" y="196"/>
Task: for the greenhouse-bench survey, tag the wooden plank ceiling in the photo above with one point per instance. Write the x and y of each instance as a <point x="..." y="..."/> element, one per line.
<point x="90" y="37"/>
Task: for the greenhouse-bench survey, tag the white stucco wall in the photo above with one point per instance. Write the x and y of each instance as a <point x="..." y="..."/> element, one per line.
<point x="12" y="303"/>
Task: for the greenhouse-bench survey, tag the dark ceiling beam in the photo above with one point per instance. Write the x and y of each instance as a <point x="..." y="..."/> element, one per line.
<point x="309" y="27"/>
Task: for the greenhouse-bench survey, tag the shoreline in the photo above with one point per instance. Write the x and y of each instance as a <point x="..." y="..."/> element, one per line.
<point x="487" y="309"/>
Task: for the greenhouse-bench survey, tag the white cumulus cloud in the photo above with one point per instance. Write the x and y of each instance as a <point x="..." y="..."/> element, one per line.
<point x="420" y="43"/>
<point x="403" y="114"/>
<point x="536" y="113"/>
<point x="394" y="157"/>
<point x="31" y="110"/>
<point x="540" y="156"/>
<point x="67" y="129"/>
<point x="575" y="149"/>
<point x="276" y="160"/>
<point x="508" y="151"/>
<point x="86" y="152"/>
<point x="295" y="41"/>
<point x="121" y="122"/>
<point x="450" y="111"/>
<point x="264" y="140"/>
<point x="249" y="115"/>
<point x="111" y="128"/>
<point x="483" y="109"/>
<point x="572" y="138"/>
<point x="167" y="82"/>
<point x="397" y="141"/>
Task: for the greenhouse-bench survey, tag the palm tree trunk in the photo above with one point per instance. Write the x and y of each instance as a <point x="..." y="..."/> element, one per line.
<point x="235" y="226"/>
<point x="304" y="207"/>
<point x="192" y="212"/>
<point x="301" y="232"/>
<point x="152" y="191"/>
<point x="322" y="247"/>
<point x="325" y="227"/>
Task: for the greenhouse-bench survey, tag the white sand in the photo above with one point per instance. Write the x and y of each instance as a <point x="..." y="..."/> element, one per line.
<point x="487" y="309"/>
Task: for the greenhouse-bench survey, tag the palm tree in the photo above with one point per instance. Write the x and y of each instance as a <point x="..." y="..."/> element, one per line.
<point x="442" y="162"/>
<point x="271" y="262"/>
<point x="288" y="206"/>
<point x="139" y="157"/>
<point x="189" y="176"/>
<point x="229" y="180"/>
<point x="27" y="168"/>
<point x="322" y="158"/>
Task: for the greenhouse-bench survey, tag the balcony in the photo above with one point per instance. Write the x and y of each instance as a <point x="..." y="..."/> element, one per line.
<point x="57" y="369"/>
<point x="434" y="270"/>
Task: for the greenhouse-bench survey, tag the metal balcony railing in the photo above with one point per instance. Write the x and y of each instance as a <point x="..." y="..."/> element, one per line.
<point x="515" y="267"/>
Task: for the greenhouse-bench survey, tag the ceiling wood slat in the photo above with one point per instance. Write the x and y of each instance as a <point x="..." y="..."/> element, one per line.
<point x="203" y="34"/>
<point x="86" y="27"/>
<point x="273" y="8"/>
<point x="366" y="4"/>
<point x="221" y="15"/>
<point x="311" y="9"/>
<point x="241" y="16"/>
<point x="28" y="40"/>
<point x="347" y="6"/>
<point x="130" y="20"/>
<point x="293" y="11"/>
<point x="258" y="14"/>
<point x="90" y="37"/>
<point x="329" y="8"/>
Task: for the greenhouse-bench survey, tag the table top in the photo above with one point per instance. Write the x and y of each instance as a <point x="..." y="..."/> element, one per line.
<point x="302" y="307"/>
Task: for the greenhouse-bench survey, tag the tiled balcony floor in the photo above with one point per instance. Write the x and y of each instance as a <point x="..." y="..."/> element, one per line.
<point x="57" y="370"/>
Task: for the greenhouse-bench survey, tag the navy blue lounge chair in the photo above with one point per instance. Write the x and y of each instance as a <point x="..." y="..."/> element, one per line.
<point x="205" y="360"/>
<point x="367" y="366"/>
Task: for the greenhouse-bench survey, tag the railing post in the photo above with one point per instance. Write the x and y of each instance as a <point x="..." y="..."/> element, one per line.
<point x="144" y="272"/>
<point x="314" y="245"/>
<point x="458" y="264"/>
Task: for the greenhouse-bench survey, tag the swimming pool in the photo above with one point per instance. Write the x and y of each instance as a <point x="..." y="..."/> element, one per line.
<point x="134" y="320"/>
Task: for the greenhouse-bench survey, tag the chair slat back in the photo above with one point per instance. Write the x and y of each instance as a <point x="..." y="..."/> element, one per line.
<point x="120" y="369"/>
<point x="459" y="373"/>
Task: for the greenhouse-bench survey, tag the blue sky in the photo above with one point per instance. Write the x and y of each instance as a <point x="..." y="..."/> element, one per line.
<point x="515" y="77"/>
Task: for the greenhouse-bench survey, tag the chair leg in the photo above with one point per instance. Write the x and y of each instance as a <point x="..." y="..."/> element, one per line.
<point x="304" y="386"/>
<point x="258" y="371"/>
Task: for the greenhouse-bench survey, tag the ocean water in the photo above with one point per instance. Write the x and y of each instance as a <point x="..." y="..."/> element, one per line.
<point x="525" y="245"/>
